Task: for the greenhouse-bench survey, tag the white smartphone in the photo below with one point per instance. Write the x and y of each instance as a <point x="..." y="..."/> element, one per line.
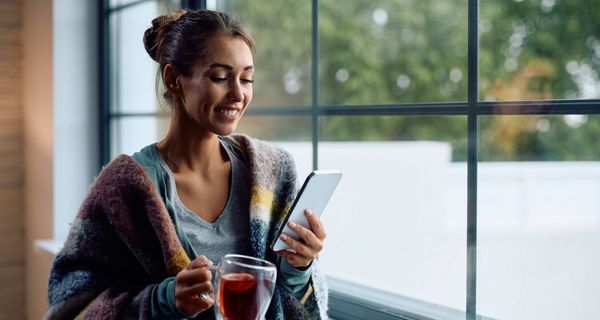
<point x="314" y="195"/>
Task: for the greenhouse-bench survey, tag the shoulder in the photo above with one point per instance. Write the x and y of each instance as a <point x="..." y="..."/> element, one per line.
<point x="234" y="149"/>
<point x="119" y="179"/>
<point x="259" y="149"/>
<point x="145" y="157"/>
<point x="148" y="159"/>
<point x="271" y="165"/>
<point x="123" y="170"/>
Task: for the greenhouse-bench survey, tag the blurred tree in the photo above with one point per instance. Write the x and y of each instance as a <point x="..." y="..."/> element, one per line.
<point x="539" y="50"/>
<point x="282" y="30"/>
<point x="410" y="52"/>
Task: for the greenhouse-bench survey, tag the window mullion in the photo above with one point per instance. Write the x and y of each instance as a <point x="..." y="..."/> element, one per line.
<point x="472" y="137"/>
<point x="104" y="74"/>
<point x="315" y="84"/>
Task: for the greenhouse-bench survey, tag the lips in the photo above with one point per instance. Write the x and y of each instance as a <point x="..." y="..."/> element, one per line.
<point x="227" y="112"/>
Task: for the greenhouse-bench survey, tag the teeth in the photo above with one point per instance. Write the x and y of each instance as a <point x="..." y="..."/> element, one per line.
<point x="229" y="113"/>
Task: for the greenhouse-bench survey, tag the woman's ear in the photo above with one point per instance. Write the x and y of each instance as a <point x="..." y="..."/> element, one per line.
<point x="172" y="81"/>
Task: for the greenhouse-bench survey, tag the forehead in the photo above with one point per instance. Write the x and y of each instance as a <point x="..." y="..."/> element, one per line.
<point x="232" y="51"/>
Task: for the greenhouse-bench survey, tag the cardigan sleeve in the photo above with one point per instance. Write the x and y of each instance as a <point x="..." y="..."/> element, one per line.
<point x="292" y="279"/>
<point x="120" y="246"/>
<point x="93" y="277"/>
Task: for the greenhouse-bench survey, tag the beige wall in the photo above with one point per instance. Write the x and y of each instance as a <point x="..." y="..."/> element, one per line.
<point x="38" y="145"/>
<point x="12" y="276"/>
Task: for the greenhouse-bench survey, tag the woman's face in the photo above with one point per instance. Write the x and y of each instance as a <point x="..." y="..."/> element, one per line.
<point x="217" y="93"/>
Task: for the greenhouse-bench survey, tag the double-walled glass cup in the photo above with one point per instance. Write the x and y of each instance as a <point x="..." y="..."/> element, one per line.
<point x="244" y="287"/>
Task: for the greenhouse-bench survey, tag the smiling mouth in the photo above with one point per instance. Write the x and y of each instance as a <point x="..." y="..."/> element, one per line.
<point x="227" y="112"/>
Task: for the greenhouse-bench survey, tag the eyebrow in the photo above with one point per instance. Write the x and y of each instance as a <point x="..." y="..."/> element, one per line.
<point x="228" y="67"/>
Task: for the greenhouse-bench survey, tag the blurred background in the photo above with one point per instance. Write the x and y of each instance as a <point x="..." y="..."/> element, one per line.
<point x="441" y="157"/>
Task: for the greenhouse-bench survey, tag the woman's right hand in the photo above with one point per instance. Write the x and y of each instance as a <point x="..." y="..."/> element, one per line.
<point x="193" y="288"/>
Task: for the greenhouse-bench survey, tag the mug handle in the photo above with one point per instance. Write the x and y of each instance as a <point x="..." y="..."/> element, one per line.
<point x="210" y="294"/>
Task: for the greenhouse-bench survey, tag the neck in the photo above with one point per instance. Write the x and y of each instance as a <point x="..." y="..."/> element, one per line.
<point x="189" y="147"/>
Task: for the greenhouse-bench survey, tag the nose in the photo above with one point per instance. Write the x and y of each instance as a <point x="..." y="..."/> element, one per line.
<point x="236" y="94"/>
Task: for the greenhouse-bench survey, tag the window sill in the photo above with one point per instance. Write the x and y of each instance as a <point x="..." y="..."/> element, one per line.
<point x="350" y="301"/>
<point x="49" y="246"/>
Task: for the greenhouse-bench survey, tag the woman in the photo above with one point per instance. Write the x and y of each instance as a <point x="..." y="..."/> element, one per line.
<point x="152" y="224"/>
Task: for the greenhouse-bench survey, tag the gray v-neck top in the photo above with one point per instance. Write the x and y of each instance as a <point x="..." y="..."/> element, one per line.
<point x="230" y="233"/>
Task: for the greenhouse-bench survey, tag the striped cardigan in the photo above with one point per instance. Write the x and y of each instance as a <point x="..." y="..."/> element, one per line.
<point x="123" y="242"/>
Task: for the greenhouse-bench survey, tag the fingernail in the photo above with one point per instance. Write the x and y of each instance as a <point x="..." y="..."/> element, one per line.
<point x="283" y="237"/>
<point x="206" y="296"/>
<point x="308" y="212"/>
<point x="292" y="224"/>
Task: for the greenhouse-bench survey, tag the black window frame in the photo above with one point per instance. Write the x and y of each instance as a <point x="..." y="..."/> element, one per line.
<point x="343" y="305"/>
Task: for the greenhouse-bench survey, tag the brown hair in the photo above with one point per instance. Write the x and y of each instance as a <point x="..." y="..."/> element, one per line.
<point x="180" y="38"/>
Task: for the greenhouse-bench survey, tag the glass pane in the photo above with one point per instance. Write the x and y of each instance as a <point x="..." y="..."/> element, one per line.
<point x="114" y="3"/>
<point x="133" y="75"/>
<point x="171" y="4"/>
<point x="130" y="134"/>
<point x="282" y="30"/>
<point x="570" y="137"/>
<point x="282" y="128"/>
<point x="532" y="49"/>
<point x="539" y="220"/>
<point x="399" y="213"/>
<point x="291" y="133"/>
<point x="396" y="51"/>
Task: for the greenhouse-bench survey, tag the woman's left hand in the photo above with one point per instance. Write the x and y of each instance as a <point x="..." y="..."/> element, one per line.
<point x="305" y="250"/>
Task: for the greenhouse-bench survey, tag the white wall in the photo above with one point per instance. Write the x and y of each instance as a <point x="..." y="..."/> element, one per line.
<point x="12" y="217"/>
<point x="38" y="148"/>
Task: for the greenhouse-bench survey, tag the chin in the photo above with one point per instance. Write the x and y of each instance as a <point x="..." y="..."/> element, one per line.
<point x="224" y="131"/>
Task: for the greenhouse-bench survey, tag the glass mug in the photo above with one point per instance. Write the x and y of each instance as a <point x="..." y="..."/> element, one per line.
<point x="244" y="287"/>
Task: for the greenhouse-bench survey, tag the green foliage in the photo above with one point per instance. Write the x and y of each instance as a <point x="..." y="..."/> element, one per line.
<point x="415" y="51"/>
<point x="282" y="30"/>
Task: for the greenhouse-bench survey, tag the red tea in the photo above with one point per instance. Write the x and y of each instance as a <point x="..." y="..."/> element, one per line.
<point x="241" y="297"/>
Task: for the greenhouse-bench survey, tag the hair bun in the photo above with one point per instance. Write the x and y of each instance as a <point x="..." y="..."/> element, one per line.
<point x="154" y="35"/>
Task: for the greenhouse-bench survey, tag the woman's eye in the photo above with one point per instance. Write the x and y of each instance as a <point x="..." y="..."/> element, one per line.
<point x="248" y="80"/>
<point x="218" y="79"/>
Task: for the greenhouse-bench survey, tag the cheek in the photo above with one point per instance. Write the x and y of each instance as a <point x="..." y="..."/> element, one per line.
<point x="197" y="103"/>
<point x="206" y="97"/>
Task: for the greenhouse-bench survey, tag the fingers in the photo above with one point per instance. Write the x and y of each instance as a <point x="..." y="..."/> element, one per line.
<point x="199" y="262"/>
<point x="196" y="289"/>
<point x="294" y="259"/>
<point x="314" y="236"/>
<point x="307" y="236"/>
<point x="299" y="247"/>
<point x="191" y="277"/>
<point x="306" y="249"/>
<point x="193" y="288"/>
<point x="195" y="272"/>
<point x="194" y="304"/>
<point x="300" y="255"/>
<point x="315" y="224"/>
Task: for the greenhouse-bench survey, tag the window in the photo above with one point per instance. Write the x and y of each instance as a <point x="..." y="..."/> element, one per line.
<point x="466" y="131"/>
<point x="538" y="218"/>
<point x="75" y="104"/>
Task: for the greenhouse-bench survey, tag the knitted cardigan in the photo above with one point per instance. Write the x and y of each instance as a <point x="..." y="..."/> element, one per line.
<point x="123" y="242"/>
